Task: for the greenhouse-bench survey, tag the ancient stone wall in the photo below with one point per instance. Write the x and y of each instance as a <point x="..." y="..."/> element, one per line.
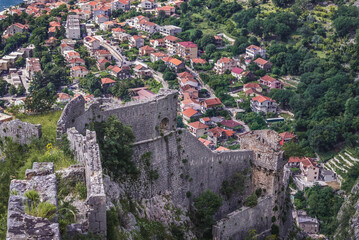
<point x="148" y="118"/>
<point x="21" y="226"/>
<point x="174" y="160"/>
<point x="266" y="147"/>
<point x="87" y="152"/>
<point x="185" y="166"/>
<point x="20" y="132"/>
<point x="237" y="224"/>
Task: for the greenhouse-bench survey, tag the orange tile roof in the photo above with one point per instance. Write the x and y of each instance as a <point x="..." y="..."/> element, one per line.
<point x="176" y="61"/>
<point x="213" y="102"/>
<point x="204" y="141"/>
<point x="262" y="99"/>
<point x="107" y="81"/>
<point x="260" y="61"/>
<point x="220" y="149"/>
<point x="189" y="112"/>
<point x="225" y="60"/>
<point x="198" y="125"/>
<point x="268" y="78"/>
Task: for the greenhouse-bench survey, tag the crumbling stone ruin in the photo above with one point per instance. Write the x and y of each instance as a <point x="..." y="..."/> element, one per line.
<point x="184" y="165"/>
<point x="22" y="226"/>
<point x="87" y="153"/>
<point x="20" y="132"/>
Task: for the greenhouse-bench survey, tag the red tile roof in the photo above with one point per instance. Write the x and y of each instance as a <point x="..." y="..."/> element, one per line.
<point x="204" y="141"/>
<point x="237" y="70"/>
<point x="262" y="99"/>
<point x="252" y="85"/>
<point x="253" y="47"/>
<point x="225" y="60"/>
<point x="260" y="61"/>
<point x="287" y="135"/>
<point x="198" y="125"/>
<point x="188" y="44"/>
<point x="171" y="38"/>
<point x="189" y="112"/>
<point x="267" y="78"/>
<point x="220" y="149"/>
<point x="230" y="123"/>
<point x="213" y="102"/>
<point x="199" y="60"/>
<point x="107" y="81"/>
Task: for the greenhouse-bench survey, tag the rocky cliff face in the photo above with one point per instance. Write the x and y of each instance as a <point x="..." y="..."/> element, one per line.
<point x="348" y="216"/>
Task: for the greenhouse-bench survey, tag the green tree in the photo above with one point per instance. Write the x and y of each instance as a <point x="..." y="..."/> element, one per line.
<point x="12" y="90"/>
<point x="40" y="100"/>
<point x="207" y="204"/>
<point x="21" y="90"/>
<point x="116" y="147"/>
<point x="3" y="87"/>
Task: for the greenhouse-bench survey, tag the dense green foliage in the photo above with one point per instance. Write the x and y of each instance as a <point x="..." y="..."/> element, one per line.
<point x="116" y="147"/>
<point x="320" y="202"/>
<point x="206" y="204"/>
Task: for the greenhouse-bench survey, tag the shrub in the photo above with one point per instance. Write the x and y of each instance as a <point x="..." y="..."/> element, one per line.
<point x="41" y="209"/>
<point x="251" y="200"/>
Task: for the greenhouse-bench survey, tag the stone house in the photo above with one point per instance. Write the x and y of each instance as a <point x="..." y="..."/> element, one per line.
<point x="78" y="71"/>
<point x="199" y="61"/>
<point x="263" y="64"/>
<point x="254" y="86"/>
<point x="263" y="104"/>
<point x="16" y="28"/>
<point x="210" y="103"/>
<point x="198" y="129"/>
<point x="121" y="73"/>
<point x="142" y="71"/>
<point x="99" y="19"/>
<point x="63" y="98"/>
<point x="218" y="41"/>
<point x="101" y="63"/>
<point x="306" y="223"/>
<point x="310" y="169"/>
<point x="327" y="175"/>
<point x="146" y="50"/>
<point x="219" y="134"/>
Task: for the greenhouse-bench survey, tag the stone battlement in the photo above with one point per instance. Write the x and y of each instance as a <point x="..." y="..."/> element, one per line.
<point x="21" y="226"/>
<point x="266" y="147"/>
<point x="20" y="132"/>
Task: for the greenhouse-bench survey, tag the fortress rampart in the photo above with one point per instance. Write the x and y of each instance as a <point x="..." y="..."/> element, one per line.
<point x="87" y="152"/>
<point x="185" y="167"/>
<point x="20" y="132"/>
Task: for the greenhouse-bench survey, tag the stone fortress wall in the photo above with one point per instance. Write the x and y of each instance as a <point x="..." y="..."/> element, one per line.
<point x="184" y="165"/>
<point x="20" y="132"/>
<point x="87" y="153"/>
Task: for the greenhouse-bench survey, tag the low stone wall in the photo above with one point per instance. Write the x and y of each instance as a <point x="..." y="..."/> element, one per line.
<point x="20" y="132"/>
<point x="87" y="152"/>
<point x="237" y="224"/>
<point x="21" y="226"/>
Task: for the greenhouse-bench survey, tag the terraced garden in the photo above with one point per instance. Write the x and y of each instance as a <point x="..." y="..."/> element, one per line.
<point x="341" y="163"/>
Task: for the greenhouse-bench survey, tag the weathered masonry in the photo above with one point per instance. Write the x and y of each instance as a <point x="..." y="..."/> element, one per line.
<point x="21" y="132"/>
<point x="184" y="165"/>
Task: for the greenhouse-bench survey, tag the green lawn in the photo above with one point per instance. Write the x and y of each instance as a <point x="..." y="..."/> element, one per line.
<point x="46" y="149"/>
<point x="47" y="120"/>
